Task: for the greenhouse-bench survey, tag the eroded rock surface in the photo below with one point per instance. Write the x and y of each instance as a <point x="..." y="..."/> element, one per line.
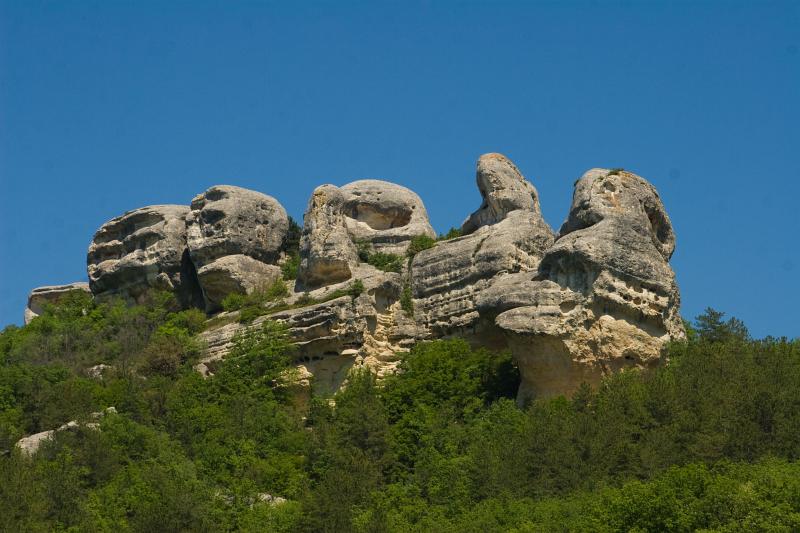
<point x="598" y="297"/>
<point x="503" y="189"/>
<point x="380" y="215"/>
<point x="141" y="250"/>
<point x="30" y="445"/>
<point x="605" y="297"/>
<point x="384" y="214"/>
<point x="234" y="237"/>
<point x="327" y="253"/>
<point x="506" y="235"/>
<point x="41" y="296"/>
<point x="335" y="334"/>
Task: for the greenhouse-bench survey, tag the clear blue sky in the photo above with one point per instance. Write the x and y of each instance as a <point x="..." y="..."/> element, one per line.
<point x="109" y="106"/>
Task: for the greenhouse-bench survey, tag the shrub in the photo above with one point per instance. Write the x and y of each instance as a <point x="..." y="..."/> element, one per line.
<point x="234" y="301"/>
<point x="291" y="242"/>
<point x="277" y="290"/>
<point x="364" y="249"/>
<point x="452" y="233"/>
<point x="250" y="313"/>
<point x="419" y="243"/>
<point x="380" y="260"/>
<point x="252" y="305"/>
<point x="407" y="301"/>
<point x="290" y="268"/>
<point x="305" y="299"/>
<point x="355" y="289"/>
<point x="386" y="262"/>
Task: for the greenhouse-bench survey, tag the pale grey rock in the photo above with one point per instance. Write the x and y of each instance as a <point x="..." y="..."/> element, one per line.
<point x="598" y="297"/>
<point x="234" y="274"/>
<point x="380" y="215"/>
<point x="51" y="294"/>
<point x="327" y="253"/>
<point x="605" y="297"/>
<point x="338" y="334"/>
<point x="269" y="499"/>
<point x="384" y="214"/>
<point x="227" y="220"/>
<point x="448" y="278"/>
<point x="507" y="236"/>
<point x="503" y="189"/>
<point x="234" y="237"/>
<point x="30" y="445"/>
<point x="141" y="250"/>
<point x="99" y="371"/>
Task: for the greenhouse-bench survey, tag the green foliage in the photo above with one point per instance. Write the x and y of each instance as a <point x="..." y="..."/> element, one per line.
<point x="710" y="327"/>
<point x="291" y="248"/>
<point x="380" y="260"/>
<point x="407" y="301"/>
<point x="355" y="289"/>
<point x="234" y="301"/>
<point x="290" y="267"/>
<point x="419" y="243"/>
<point x="305" y="299"/>
<point x="615" y="171"/>
<point x="723" y="497"/>
<point x="452" y="233"/>
<point x="253" y="305"/>
<point x="364" y="250"/>
<point x="386" y="262"/>
<point x="291" y="242"/>
<point x="276" y="290"/>
<point x="708" y="442"/>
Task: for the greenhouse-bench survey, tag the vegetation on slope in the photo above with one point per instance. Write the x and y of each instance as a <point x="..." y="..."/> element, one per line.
<point x="709" y="441"/>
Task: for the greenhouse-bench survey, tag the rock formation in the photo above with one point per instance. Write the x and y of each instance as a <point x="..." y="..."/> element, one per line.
<point x="141" y="250"/>
<point x="41" y="296"/>
<point x="597" y="297"/>
<point x="380" y="215"/>
<point x="385" y="215"/>
<point x="506" y="234"/>
<point x="234" y="237"/>
<point x="503" y="189"/>
<point x="604" y="297"/>
<point x="325" y="247"/>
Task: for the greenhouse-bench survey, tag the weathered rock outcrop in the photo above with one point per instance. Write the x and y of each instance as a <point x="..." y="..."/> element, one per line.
<point x="598" y="297"/>
<point x="336" y="333"/>
<point x="30" y="445"/>
<point x="378" y="214"/>
<point x="507" y="234"/>
<point x="140" y="250"/>
<point x="327" y="253"/>
<point x="41" y="296"/>
<point x="385" y="215"/>
<point x="604" y="297"/>
<point x="503" y="189"/>
<point x="234" y="237"/>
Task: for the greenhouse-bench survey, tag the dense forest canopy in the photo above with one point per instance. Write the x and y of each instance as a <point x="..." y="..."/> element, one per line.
<point x="709" y="441"/>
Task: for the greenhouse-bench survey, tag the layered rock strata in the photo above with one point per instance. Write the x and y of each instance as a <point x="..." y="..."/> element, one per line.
<point x="335" y="333"/>
<point x="604" y="297"/>
<point x="597" y="297"/>
<point x="507" y="234"/>
<point x="141" y="250"/>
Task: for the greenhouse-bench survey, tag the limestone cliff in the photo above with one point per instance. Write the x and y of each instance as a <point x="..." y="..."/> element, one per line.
<point x="594" y="298"/>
